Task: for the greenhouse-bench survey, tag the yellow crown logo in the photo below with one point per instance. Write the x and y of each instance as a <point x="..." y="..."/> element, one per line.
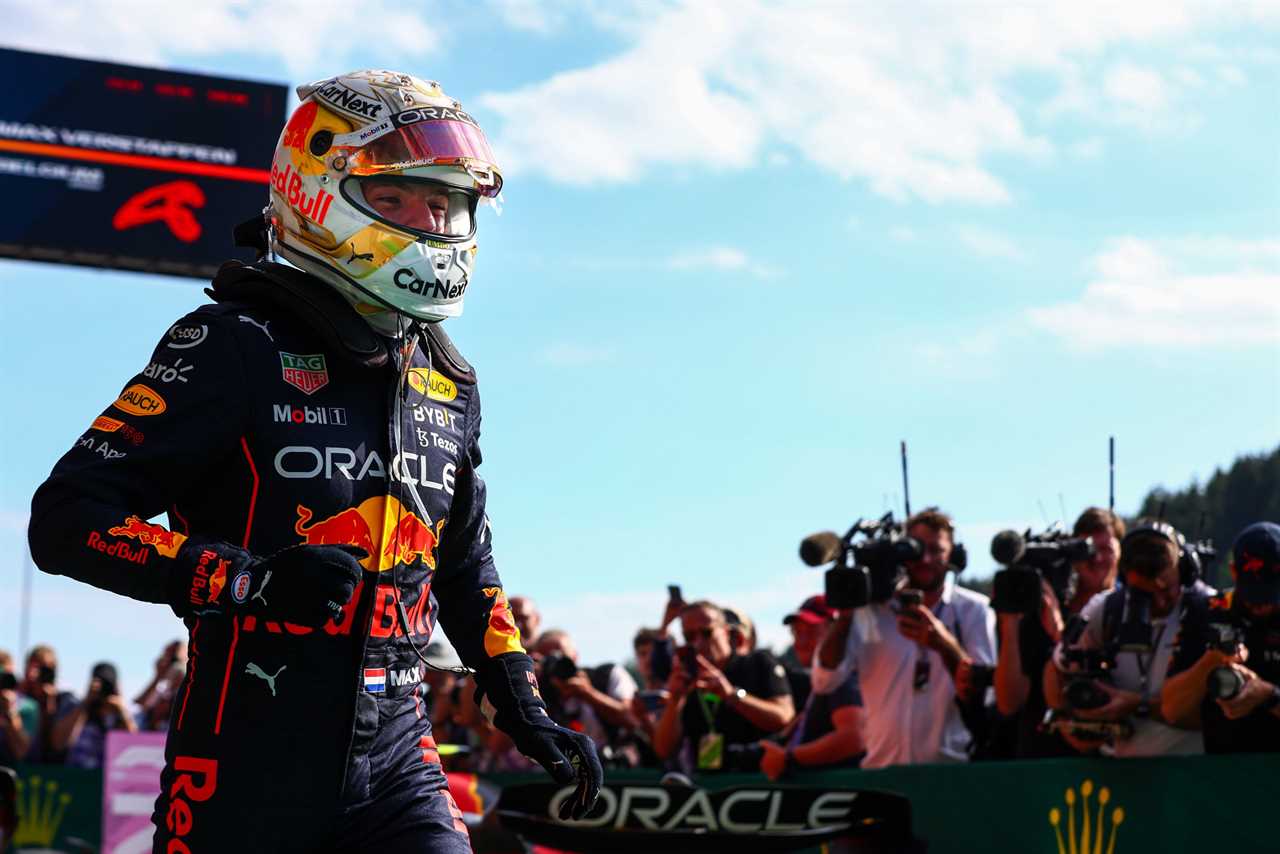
<point x="39" y="815"/>
<point x="1078" y="841"/>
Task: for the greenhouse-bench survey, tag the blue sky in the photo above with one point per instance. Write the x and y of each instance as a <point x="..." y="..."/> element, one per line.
<point x="745" y="250"/>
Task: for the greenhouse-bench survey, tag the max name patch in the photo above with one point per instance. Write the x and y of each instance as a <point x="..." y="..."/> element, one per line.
<point x="308" y="374"/>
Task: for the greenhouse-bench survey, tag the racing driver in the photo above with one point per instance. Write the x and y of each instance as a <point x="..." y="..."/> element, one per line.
<point x="313" y="439"/>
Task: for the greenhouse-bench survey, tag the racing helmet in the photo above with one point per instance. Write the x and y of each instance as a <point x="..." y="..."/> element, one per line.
<point x="375" y="185"/>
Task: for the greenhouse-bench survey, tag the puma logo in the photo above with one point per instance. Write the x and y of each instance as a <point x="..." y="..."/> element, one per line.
<point x="259" y="595"/>
<point x="362" y="256"/>
<point x="255" y="670"/>
<point x="262" y="326"/>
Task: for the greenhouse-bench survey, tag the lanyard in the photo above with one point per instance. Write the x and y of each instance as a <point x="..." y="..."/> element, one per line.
<point x="1144" y="666"/>
<point x="704" y="704"/>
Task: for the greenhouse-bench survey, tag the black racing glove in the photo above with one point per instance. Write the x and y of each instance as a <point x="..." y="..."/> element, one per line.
<point x="507" y="692"/>
<point x="306" y="585"/>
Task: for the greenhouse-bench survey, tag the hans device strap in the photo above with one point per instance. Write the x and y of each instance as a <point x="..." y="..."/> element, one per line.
<point x="298" y="294"/>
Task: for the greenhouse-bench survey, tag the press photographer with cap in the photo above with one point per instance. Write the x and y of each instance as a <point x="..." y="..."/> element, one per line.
<point x="1104" y="680"/>
<point x="1227" y="666"/>
<point x="827" y="731"/>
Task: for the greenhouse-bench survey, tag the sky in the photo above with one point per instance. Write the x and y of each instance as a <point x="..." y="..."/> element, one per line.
<point x="746" y="249"/>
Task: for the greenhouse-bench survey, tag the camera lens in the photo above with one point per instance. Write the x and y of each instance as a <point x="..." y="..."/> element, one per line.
<point x="1225" y="683"/>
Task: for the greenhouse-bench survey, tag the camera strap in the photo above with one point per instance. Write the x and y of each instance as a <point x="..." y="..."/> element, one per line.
<point x="705" y="704"/>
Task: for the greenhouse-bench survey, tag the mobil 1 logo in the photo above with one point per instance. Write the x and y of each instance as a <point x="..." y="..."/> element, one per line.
<point x="284" y="413"/>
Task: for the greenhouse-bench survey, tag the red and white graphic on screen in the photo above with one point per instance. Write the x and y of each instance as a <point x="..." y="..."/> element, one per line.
<point x="169" y="203"/>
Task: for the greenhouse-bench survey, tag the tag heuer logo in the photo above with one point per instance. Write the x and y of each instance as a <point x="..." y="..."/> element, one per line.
<point x="305" y="373"/>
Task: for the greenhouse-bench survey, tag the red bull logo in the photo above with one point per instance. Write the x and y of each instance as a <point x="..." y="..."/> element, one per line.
<point x="382" y="526"/>
<point x="501" y="635"/>
<point x="160" y="538"/>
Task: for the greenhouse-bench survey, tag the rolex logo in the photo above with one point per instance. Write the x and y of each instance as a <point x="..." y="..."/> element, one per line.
<point x="1086" y="837"/>
<point x="40" y="813"/>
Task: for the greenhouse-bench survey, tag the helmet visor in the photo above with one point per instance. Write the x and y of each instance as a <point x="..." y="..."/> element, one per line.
<point x="434" y="142"/>
<point x="418" y="205"/>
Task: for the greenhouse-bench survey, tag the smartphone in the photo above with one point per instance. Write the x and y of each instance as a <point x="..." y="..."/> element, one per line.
<point x="909" y="596"/>
<point x="689" y="660"/>
<point x="673" y="593"/>
<point x="48" y="675"/>
<point x="653" y="701"/>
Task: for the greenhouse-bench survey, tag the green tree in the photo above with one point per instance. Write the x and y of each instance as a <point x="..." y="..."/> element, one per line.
<point x="1248" y="492"/>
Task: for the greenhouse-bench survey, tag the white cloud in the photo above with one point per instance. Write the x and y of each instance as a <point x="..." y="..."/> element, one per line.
<point x="719" y="258"/>
<point x="311" y="39"/>
<point x="916" y="112"/>
<point x="904" y="234"/>
<point x="1232" y="74"/>
<point x="1144" y="298"/>
<point x="988" y="243"/>
<point x="1087" y="149"/>
<point x="1139" y="88"/>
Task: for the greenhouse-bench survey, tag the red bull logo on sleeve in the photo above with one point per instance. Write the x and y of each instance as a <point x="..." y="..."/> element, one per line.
<point x="160" y="538"/>
<point x="501" y="635"/>
<point x="382" y="526"/>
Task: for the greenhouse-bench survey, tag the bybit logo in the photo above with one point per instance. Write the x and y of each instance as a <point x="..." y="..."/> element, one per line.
<point x="1081" y="836"/>
<point x="40" y="813"/>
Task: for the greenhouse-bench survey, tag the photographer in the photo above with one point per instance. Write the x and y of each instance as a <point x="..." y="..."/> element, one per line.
<point x="828" y="730"/>
<point x="1105" y="684"/>
<point x="83" y="733"/>
<point x="719" y="699"/>
<point x="1210" y="686"/>
<point x="1027" y="639"/>
<point x="596" y="701"/>
<point x="918" y="656"/>
<point x="18" y="716"/>
<point x="40" y="684"/>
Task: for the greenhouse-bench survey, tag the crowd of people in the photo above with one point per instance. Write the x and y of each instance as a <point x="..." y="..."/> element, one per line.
<point x="1131" y="658"/>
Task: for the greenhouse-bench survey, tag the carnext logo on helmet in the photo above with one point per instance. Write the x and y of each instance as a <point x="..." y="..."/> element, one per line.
<point x="349" y="100"/>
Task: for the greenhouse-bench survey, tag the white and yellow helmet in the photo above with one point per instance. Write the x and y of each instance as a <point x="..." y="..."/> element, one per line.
<point x="374" y="189"/>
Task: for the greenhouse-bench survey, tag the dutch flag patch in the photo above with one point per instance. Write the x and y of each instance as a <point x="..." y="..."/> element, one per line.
<point x="375" y="680"/>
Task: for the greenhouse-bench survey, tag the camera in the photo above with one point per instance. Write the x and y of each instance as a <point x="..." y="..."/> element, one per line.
<point x="865" y="571"/>
<point x="742" y="758"/>
<point x="1080" y="689"/>
<point x="8" y="682"/>
<point x="1225" y="682"/>
<point x="47" y="675"/>
<point x="1089" y="666"/>
<point x="1195" y="559"/>
<point x="557" y="666"/>
<point x="1134" y="632"/>
<point x="1029" y="558"/>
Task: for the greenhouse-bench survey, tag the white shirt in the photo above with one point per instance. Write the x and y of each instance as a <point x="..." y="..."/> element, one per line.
<point x="904" y="725"/>
<point x="1150" y="737"/>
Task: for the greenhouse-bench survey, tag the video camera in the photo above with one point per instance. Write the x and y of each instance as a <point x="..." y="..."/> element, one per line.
<point x="1030" y="557"/>
<point x="865" y="571"/>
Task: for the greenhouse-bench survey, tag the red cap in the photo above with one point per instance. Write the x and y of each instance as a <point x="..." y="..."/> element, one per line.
<point x="814" y="611"/>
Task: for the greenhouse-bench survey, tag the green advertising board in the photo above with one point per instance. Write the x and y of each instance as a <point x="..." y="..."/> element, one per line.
<point x="1203" y="804"/>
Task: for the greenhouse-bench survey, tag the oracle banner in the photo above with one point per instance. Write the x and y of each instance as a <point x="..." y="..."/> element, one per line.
<point x="110" y="165"/>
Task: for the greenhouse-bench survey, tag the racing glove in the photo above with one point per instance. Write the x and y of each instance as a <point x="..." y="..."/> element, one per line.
<point x="306" y="585"/>
<point x="507" y="693"/>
